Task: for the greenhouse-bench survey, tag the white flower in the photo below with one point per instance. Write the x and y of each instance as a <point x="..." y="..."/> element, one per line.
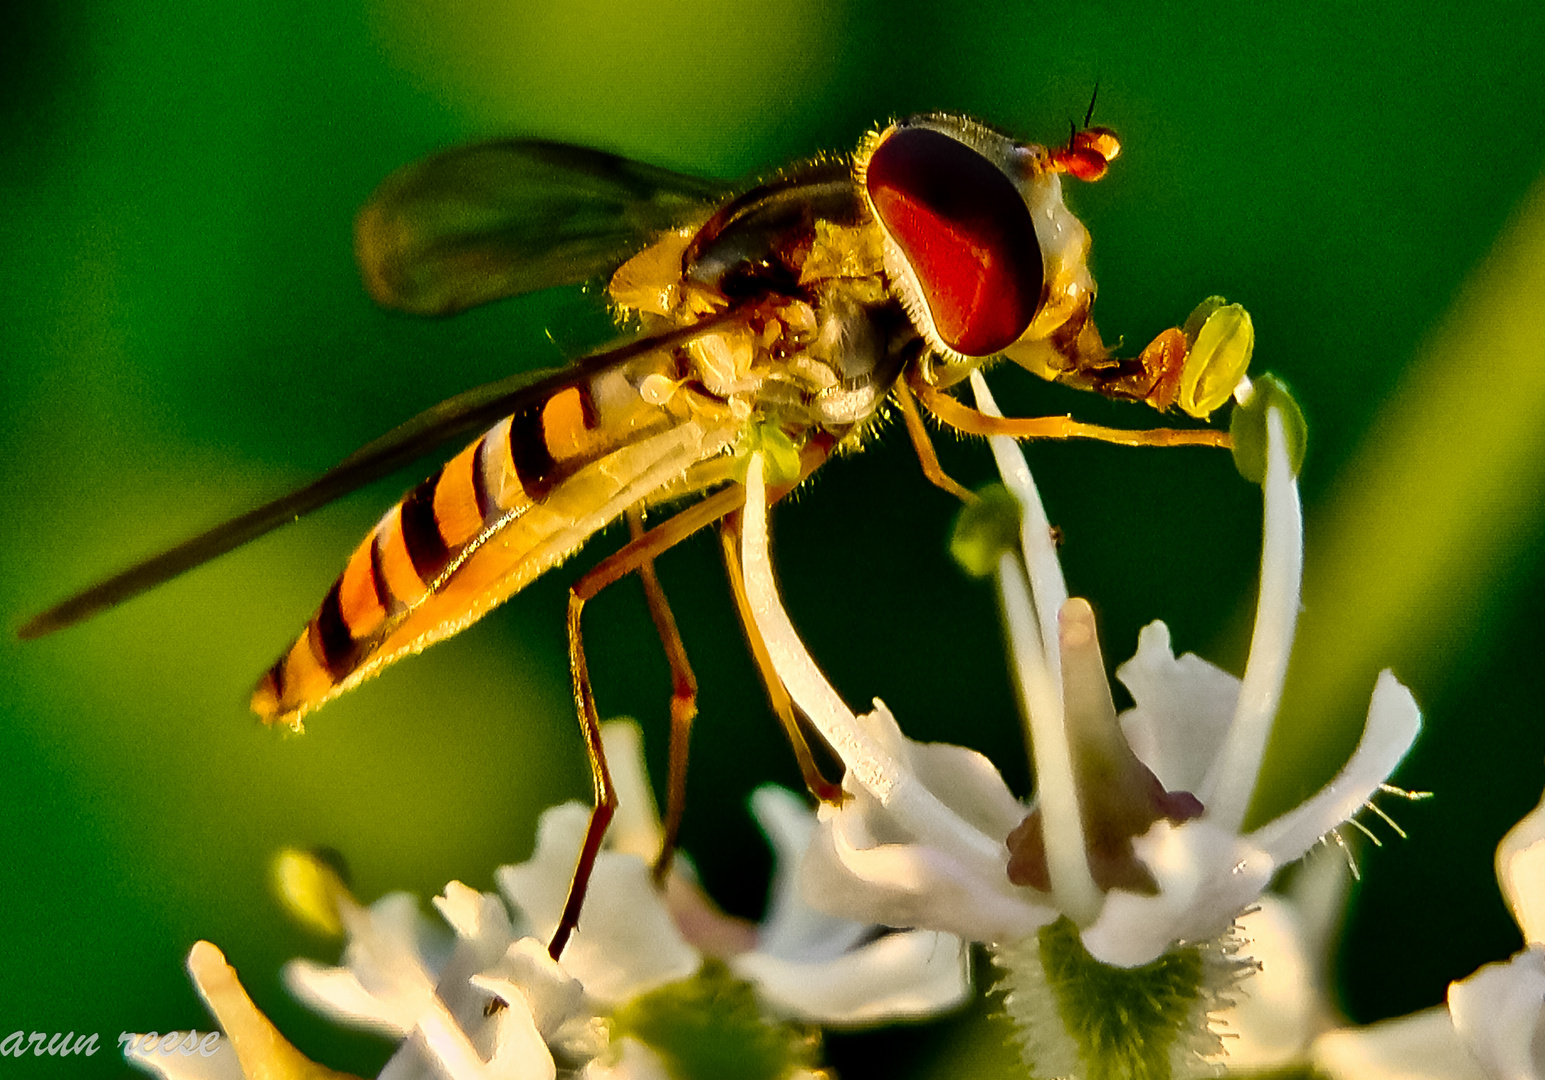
<point x="1493" y="1027"/>
<point x="486" y="1000"/>
<point x="631" y="939"/>
<point x="1285" y="1003"/>
<point x="1115" y="841"/>
<point x="250" y="1046"/>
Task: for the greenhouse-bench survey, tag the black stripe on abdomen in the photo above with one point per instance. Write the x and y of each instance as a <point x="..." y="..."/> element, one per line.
<point x="421" y="532"/>
<point x="534" y="462"/>
<point x="331" y="640"/>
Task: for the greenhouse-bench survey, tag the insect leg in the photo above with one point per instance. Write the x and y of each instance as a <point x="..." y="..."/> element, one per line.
<point x="608" y="571"/>
<point x="611" y="569"/>
<point x="777" y="693"/>
<point x="683" y="699"/>
<point x="964" y="418"/>
<point x="600" y="778"/>
<point x="923" y="444"/>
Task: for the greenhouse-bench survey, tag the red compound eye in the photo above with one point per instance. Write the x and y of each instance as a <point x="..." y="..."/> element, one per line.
<point x="965" y="230"/>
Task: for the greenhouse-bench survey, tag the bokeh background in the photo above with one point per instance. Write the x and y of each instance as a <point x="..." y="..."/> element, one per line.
<point x="182" y="335"/>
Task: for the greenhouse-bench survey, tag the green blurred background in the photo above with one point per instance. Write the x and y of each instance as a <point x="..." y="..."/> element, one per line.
<point x="183" y="335"/>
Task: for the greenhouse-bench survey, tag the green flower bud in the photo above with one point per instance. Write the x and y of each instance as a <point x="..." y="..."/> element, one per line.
<point x="311" y="886"/>
<point x="709" y="1027"/>
<point x="985" y="529"/>
<point x="1247" y="428"/>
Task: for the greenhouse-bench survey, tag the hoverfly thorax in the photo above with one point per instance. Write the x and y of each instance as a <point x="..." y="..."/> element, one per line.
<point x="978" y="242"/>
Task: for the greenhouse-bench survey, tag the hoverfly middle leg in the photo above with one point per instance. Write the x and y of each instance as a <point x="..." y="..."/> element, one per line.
<point x="777" y="694"/>
<point x="927" y="456"/>
<point x="964" y="418"/>
<point x="683" y="699"/>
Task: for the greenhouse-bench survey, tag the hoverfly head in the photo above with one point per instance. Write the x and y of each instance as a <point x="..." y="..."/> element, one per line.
<point x="979" y="246"/>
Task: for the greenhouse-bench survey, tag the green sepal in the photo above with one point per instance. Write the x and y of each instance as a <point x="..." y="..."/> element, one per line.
<point x="1247" y="428"/>
<point x="985" y="529"/>
<point x="709" y="1027"/>
<point x="1075" y="1016"/>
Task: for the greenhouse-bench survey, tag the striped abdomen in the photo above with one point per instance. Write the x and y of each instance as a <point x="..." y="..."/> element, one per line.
<point x="502" y="511"/>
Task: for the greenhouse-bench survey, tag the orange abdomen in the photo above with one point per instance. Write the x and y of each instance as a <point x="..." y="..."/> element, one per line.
<point x="526" y="494"/>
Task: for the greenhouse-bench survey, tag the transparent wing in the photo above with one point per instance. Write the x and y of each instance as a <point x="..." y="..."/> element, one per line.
<point x="481" y="222"/>
<point x="465" y="413"/>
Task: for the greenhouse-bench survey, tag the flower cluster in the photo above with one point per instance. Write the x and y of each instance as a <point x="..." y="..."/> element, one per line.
<point x="1125" y="877"/>
<point x="487" y="1001"/>
<point x="1111" y="903"/>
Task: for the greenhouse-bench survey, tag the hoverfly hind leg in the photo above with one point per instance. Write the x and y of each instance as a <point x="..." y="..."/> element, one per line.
<point x="605" y="792"/>
<point x="630" y="558"/>
<point x="683" y="700"/>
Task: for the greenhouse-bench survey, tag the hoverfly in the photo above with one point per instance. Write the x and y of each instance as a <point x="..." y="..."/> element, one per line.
<point x="781" y="316"/>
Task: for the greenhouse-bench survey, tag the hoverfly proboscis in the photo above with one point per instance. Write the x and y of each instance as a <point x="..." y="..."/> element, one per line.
<point x="779" y="316"/>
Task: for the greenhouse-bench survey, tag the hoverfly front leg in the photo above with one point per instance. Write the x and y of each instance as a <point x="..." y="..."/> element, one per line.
<point x="926" y="455"/>
<point x="964" y="418"/>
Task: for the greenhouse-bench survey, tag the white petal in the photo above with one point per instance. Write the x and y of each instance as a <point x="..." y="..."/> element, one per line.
<point x="862" y="748"/>
<point x="943" y="866"/>
<point x="1422" y="1046"/>
<point x="1183" y="709"/>
<point x="474" y="915"/>
<point x="1319" y="897"/>
<point x="626" y="942"/>
<point x="1046" y="580"/>
<point x="1393" y="724"/>
<point x="1282" y="1006"/>
<point x="1521" y="873"/>
<point x="895" y="977"/>
<point x="1498" y="1011"/>
<point x="792" y="929"/>
<point x="390" y="968"/>
<point x="809" y="689"/>
<point x="1206" y="877"/>
<point x="913" y="884"/>
<point x="635" y="830"/>
<point x="440" y="1041"/>
<point x="174" y="1063"/>
<point x="1228" y="790"/>
<point x="1038" y="671"/>
<point x="527" y="974"/>
<point x="337" y="993"/>
<point x="966" y="782"/>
